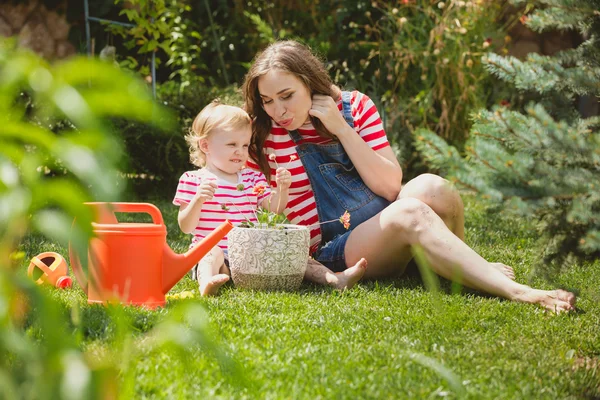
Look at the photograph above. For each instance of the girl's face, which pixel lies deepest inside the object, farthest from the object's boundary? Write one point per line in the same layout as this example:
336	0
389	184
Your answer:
227	149
285	99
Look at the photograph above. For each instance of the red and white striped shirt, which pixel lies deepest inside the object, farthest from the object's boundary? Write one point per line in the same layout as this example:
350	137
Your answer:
301	208
240	204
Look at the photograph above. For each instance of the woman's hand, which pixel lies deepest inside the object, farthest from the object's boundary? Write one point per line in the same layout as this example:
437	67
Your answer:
283	178
326	109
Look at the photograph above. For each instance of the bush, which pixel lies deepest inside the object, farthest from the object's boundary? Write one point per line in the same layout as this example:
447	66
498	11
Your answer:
419	60
430	73
542	159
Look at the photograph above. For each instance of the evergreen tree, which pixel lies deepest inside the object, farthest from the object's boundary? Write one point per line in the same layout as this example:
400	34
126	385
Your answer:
542	159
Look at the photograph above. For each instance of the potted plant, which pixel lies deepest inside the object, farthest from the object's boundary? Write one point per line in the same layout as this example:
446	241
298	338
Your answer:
269	254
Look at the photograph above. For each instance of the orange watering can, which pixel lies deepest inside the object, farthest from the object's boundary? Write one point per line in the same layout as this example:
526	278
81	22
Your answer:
51	268
132	262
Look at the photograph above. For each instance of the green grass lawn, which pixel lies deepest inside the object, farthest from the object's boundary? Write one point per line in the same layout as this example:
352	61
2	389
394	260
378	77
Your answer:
380	340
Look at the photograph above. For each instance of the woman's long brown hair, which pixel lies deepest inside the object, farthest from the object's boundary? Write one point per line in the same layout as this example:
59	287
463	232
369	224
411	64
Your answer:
295	58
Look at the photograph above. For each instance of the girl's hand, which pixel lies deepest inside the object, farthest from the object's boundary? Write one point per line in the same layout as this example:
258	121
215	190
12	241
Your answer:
326	109
206	190
283	178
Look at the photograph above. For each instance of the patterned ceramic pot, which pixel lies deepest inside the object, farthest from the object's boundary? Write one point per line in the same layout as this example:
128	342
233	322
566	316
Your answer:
268	259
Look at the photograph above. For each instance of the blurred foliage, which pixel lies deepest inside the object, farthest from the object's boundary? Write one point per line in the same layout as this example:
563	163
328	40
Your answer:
56	152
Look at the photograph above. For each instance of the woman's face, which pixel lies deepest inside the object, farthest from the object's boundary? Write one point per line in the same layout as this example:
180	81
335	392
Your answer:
285	99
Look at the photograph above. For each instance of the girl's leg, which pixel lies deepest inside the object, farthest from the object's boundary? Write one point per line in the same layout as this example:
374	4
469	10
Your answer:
445	201
209	277
318	273
409	222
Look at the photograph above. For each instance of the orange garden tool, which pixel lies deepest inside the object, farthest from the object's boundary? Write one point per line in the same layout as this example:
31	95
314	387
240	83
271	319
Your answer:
51	268
132	262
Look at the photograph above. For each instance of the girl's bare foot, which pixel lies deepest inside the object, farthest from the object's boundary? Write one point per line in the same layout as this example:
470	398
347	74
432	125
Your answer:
210	286
554	300
505	269
348	278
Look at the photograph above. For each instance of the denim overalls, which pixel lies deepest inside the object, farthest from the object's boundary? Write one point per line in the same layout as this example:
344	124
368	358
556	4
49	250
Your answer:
337	188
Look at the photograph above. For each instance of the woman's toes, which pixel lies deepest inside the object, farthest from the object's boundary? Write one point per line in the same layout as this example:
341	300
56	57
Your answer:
566	296
348	278
558	301
553	300
362	263
505	269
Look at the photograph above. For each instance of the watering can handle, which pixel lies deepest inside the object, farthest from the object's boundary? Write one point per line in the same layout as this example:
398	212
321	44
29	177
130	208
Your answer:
36	262
147	208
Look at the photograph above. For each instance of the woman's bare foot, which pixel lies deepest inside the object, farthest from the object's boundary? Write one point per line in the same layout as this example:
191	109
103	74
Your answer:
554	300
211	286
505	269
348	278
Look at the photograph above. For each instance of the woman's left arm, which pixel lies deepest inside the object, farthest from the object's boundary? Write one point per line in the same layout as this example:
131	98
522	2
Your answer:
379	169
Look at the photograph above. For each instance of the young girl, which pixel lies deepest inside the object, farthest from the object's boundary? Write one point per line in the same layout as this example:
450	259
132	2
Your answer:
223	189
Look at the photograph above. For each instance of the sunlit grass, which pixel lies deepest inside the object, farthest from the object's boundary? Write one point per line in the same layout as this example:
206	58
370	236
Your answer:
384	339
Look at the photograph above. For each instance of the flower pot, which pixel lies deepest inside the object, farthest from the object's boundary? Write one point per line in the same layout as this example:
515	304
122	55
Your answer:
268	259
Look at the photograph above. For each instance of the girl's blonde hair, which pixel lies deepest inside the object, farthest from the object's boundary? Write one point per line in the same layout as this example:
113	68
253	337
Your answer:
214	116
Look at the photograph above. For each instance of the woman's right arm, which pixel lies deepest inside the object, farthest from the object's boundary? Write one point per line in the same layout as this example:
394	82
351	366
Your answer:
189	213
379	169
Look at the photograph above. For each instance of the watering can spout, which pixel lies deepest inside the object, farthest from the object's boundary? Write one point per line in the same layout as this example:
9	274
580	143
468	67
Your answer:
175	266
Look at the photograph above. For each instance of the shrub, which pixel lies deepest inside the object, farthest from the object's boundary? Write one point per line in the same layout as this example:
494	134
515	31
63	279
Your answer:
543	159
419	60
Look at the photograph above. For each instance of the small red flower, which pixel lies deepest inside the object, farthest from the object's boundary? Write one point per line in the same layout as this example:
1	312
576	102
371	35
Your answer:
345	219
505	103
523	19
258	190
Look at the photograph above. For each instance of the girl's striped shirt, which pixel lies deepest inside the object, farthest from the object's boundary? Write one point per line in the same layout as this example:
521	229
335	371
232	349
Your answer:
227	203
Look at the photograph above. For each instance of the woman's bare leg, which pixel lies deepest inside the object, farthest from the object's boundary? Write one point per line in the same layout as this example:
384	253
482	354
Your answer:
410	222
443	198
320	274
209	277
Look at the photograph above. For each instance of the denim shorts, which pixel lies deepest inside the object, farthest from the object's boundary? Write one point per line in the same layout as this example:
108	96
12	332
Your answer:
332	254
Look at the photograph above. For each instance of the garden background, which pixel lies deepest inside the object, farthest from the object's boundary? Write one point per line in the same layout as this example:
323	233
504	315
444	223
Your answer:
520	133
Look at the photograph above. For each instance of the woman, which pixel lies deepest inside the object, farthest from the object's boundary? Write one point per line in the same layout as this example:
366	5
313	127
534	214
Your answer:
334	145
